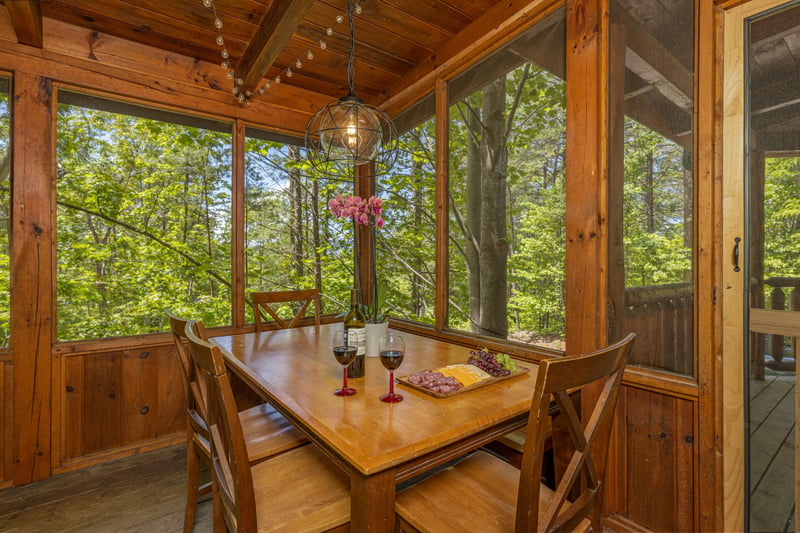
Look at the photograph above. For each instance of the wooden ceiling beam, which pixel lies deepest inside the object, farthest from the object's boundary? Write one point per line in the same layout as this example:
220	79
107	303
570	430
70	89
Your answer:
26	17
650	60
278	25
503	20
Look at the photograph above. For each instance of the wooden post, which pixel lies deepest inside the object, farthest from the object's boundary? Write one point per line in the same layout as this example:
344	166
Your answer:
32	214
586	175
442	204
364	186
238	260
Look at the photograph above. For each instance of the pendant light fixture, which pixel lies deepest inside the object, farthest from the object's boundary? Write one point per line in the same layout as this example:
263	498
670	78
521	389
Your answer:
348	133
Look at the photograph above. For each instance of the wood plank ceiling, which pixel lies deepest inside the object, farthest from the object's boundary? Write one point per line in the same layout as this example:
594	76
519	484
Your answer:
265	38
397	42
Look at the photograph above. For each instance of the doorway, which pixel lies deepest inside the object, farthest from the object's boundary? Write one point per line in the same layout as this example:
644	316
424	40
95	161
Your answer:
762	227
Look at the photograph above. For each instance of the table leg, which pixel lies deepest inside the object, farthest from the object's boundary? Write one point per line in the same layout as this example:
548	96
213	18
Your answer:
372	502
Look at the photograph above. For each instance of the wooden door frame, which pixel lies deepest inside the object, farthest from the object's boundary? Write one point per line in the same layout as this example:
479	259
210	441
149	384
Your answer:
734	334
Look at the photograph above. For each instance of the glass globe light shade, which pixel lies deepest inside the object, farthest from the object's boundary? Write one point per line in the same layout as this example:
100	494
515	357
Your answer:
349	132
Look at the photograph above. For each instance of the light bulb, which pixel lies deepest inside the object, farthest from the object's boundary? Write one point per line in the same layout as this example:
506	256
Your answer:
225	64
239	81
339	19
288	72
207	3
329	31
220	40
298	64
322	44
218	24
358	9
309	55
225	53
229	74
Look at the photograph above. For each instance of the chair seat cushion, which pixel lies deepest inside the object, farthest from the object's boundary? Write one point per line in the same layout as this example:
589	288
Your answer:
482	483
268	433
300	490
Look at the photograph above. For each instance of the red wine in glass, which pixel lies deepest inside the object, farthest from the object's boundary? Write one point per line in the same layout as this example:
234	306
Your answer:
345	347
392	351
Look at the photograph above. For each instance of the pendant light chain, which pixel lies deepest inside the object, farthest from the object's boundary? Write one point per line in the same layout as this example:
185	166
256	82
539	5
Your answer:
352	52
243	96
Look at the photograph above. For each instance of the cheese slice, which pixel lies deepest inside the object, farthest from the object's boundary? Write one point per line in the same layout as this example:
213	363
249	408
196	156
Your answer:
465	374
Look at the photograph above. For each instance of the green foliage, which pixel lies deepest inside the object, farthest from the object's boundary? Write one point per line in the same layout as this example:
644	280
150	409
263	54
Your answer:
143	224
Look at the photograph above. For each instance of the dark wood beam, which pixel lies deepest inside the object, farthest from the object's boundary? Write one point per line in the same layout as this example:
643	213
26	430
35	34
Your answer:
774	27
278	25
650	60
26	18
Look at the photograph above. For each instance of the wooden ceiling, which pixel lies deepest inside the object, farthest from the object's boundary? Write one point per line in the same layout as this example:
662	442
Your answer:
393	37
399	43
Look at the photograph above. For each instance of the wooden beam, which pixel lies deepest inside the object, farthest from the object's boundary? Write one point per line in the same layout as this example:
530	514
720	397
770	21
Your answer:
496	25
650	60
33	262
26	17
278	25
587	233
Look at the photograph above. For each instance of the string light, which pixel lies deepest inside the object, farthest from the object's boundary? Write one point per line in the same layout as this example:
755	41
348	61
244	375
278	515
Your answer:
243	97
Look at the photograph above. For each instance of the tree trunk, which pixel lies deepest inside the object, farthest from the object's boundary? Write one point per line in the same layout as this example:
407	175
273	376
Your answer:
648	195
296	195
473	213
493	241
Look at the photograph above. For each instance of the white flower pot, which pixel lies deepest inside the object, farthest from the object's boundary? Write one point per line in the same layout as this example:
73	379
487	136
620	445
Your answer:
374	334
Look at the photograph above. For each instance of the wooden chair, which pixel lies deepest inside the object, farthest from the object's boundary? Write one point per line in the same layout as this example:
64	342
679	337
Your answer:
299	490
265	302
267	432
484	493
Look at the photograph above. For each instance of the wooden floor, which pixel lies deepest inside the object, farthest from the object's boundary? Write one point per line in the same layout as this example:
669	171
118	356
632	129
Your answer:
144	493
772	453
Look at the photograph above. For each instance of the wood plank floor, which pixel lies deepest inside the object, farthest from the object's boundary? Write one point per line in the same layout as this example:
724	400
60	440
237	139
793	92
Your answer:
772	453
144	493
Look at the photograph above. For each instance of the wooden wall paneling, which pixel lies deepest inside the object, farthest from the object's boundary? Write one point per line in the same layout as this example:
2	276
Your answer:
5	420
659	435
31	267
72	416
57	409
103	402
171	415
138	395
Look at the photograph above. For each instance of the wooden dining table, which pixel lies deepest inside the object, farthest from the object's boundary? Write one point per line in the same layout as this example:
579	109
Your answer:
380	445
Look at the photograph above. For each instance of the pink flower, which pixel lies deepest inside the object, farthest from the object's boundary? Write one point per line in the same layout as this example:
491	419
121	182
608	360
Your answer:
336	205
374	205
362	210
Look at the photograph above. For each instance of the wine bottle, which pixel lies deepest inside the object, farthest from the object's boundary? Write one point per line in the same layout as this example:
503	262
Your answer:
354	322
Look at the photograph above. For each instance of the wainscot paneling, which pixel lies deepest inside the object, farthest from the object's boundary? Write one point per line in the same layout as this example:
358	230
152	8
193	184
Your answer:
118	398
650	465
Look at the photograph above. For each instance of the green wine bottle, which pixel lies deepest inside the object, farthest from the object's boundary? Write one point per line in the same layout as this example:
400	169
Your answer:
354	324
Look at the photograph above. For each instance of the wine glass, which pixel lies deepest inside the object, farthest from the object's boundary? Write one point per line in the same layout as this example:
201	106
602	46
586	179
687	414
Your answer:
345	346
391	350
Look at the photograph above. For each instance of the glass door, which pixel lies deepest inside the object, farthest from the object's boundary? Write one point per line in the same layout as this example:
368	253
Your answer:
770	259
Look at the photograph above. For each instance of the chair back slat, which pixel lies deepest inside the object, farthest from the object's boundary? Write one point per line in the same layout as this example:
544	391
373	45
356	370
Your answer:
229	460
194	386
264	307
558	383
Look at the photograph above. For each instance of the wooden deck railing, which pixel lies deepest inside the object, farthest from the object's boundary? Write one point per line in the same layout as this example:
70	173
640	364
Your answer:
661	315
777	289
